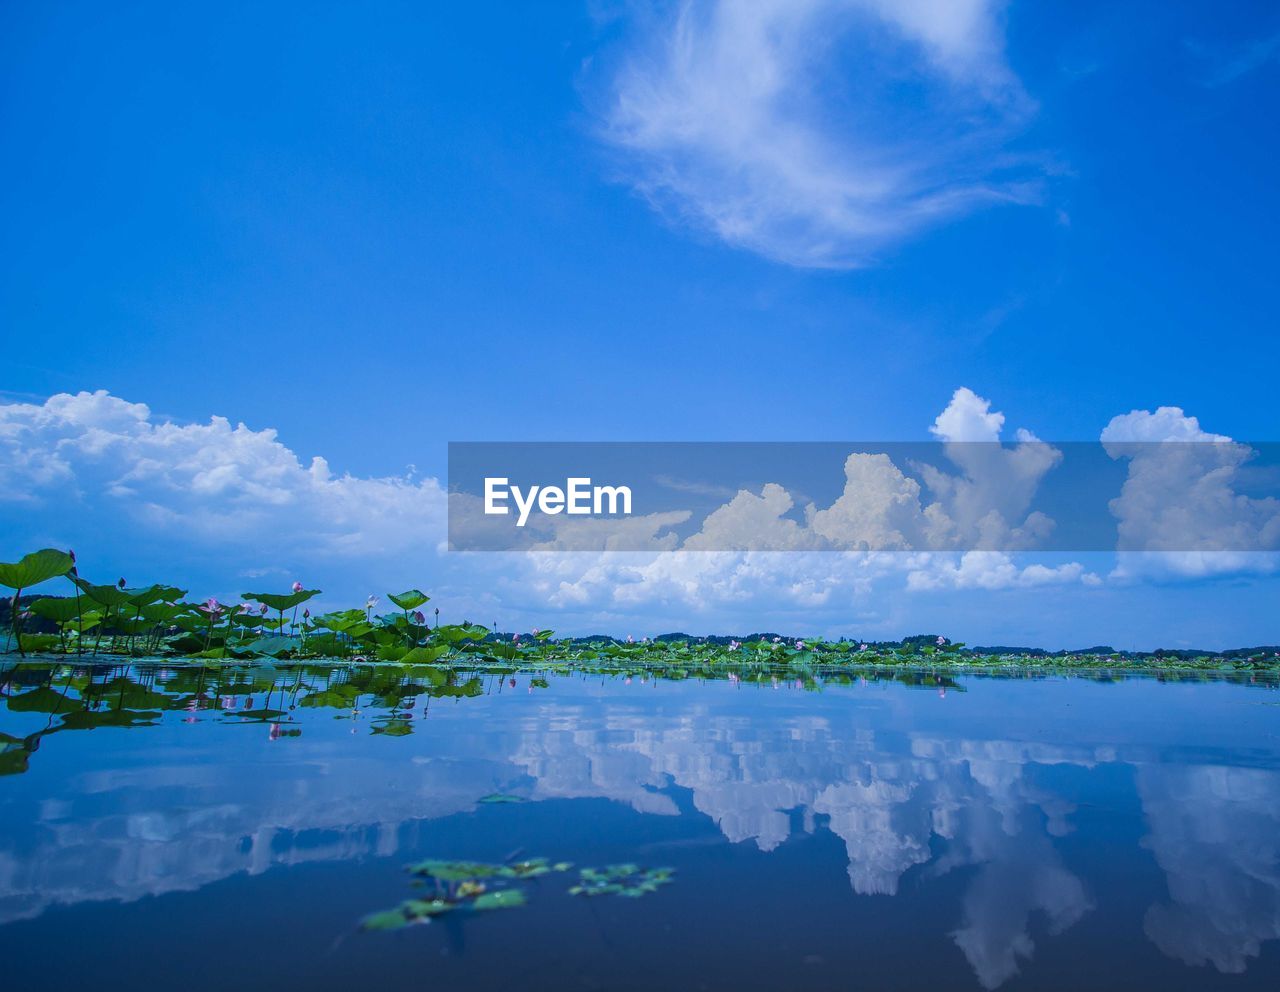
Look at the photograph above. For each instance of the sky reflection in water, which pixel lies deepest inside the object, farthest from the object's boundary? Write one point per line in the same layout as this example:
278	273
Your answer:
1005	833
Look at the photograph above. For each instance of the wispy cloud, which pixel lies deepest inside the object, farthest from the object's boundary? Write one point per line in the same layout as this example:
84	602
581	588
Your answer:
818	132
1228	66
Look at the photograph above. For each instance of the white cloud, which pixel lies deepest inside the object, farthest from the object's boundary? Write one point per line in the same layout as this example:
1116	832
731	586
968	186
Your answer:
214	503
817	132
990	570
1213	831
751	522
968	417
1181	506
97	456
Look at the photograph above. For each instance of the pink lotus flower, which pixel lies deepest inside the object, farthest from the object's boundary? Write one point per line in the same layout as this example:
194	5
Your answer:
373	601
862	647
630	639
800	645
211	606
418	618
777	640
515	638
263	609
297	587
734	645
941	640
536	631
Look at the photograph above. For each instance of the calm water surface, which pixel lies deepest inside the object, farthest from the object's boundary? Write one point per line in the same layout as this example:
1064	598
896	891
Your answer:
214	831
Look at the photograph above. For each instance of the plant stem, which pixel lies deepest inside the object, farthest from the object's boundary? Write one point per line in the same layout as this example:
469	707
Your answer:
79	612
16	622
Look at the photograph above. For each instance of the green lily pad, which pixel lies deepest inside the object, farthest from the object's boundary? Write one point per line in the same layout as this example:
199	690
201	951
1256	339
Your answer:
428	907
456	871
501	899
627	880
388	919
535	868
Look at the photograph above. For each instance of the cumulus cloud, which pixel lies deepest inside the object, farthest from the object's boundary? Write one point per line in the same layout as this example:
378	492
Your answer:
1181	505
93	455
215	502
1213	831
818	132
991	570
984	503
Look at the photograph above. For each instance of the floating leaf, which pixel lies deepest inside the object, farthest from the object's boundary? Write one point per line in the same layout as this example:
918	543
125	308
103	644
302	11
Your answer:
626	880
536	867
388	919
456	871
502	899
428	907
500	797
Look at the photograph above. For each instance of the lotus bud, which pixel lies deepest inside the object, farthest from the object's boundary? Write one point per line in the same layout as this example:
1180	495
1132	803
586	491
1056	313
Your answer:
120	583
263	609
418	618
297	587
306	614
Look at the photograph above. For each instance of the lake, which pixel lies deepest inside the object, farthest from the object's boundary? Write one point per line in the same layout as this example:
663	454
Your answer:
231	828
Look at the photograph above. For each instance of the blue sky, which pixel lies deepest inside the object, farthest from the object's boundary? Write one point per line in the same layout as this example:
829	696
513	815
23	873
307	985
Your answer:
377	228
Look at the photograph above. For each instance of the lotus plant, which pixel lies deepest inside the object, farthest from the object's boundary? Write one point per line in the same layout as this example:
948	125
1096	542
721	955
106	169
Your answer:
31	570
